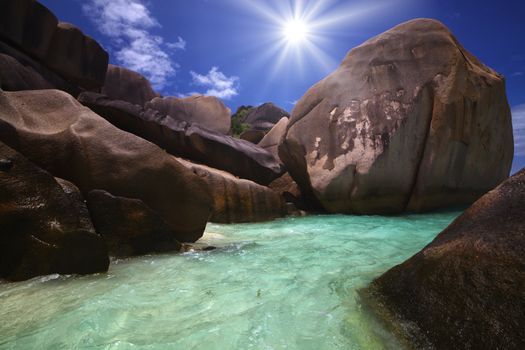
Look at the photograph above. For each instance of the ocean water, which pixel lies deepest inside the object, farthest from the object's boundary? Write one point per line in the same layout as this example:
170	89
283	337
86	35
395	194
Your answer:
286	284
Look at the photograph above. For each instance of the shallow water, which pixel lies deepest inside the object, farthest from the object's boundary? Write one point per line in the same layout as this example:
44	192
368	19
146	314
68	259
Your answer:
286	284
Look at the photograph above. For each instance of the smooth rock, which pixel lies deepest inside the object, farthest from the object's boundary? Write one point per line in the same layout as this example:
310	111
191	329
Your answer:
238	157
237	200
271	140
253	136
70	141
409	121
128	226
265	116
466	289
127	85
42	229
206	111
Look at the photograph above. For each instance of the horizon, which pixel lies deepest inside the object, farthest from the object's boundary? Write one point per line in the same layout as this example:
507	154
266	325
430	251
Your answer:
244	54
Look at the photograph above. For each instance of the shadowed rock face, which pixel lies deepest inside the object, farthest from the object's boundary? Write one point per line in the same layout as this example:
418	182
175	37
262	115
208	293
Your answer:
238	200
265	116
409	121
70	141
30	27
127	85
189	141
45	226
466	289
128	226
253	136
206	111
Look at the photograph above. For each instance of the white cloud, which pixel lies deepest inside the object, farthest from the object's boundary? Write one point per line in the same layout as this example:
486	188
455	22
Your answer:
218	84
128	24
518	124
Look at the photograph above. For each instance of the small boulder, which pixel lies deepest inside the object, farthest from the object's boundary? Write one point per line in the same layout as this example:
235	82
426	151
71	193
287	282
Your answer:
253	136
127	85
265	116
44	229
128	226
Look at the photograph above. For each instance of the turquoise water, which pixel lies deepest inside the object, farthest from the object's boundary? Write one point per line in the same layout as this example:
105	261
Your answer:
286	284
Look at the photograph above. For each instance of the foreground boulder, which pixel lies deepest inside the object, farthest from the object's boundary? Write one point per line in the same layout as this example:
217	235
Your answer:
44	229
206	111
237	200
409	121
30	27
70	141
189	141
127	85
466	289
265	116
128	226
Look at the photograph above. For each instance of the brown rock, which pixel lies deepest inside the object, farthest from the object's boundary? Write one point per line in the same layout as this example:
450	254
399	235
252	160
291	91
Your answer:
238	200
189	141
77	57
44	229
409	121
265	116
127	85
271	140
206	111
466	289
128	226
253	136
52	129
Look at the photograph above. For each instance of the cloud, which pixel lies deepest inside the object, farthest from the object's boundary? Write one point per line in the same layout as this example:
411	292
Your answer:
516	74
128	23
217	84
518	124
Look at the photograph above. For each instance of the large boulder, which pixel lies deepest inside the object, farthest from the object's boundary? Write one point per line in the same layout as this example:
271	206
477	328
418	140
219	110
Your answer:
466	289
70	141
271	140
265	116
253	136
409	121
127	85
189	141
128	226
77	57
237	200
206	111
44	229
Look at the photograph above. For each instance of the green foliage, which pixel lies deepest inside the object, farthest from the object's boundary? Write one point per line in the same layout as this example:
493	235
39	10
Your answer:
238	127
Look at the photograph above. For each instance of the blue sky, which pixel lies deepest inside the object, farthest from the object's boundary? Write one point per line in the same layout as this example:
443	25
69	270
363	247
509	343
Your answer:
237	50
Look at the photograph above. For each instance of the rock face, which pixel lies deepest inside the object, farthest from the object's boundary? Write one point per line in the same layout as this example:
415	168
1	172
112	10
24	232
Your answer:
207	111
30	27
44	229
409	121
128	226
237	200
265	116
466	289
189	141
271	140
70	141
253	136
127	85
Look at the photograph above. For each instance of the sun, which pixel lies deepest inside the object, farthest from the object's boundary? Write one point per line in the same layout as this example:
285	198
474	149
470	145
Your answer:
295	31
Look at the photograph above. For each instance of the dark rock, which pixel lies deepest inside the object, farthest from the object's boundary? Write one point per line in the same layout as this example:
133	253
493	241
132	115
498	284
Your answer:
265	116
70	141
253	136
189	141
129	226
206	111
77	57
409	121
238	200
127	85
466	289
42	230
290	192
6	164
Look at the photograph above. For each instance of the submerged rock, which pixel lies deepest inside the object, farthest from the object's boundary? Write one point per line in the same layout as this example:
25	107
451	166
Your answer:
238	200
70	141
206	111
128	226
44	228
189	141
466	289
409	121
127	85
